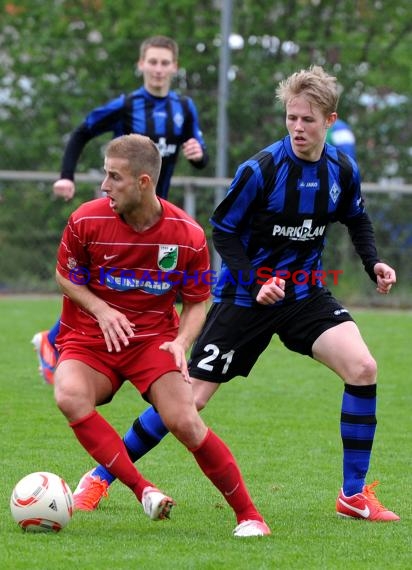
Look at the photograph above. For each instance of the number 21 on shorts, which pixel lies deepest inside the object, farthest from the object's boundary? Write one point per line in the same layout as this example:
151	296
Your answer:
208	362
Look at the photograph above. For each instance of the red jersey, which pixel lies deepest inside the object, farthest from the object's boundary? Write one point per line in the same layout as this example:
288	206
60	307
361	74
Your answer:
137	273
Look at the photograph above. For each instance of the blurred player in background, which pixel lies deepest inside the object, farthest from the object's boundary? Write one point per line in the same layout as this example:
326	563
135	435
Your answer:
119	323
169	119
270	232
341	136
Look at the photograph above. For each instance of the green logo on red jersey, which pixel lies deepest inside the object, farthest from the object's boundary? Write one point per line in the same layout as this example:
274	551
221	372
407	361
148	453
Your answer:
167	257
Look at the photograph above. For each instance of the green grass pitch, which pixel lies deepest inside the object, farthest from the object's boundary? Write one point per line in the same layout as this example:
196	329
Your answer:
282	423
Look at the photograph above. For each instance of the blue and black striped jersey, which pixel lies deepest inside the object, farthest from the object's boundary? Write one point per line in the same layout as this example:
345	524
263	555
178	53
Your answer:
169	121
274	220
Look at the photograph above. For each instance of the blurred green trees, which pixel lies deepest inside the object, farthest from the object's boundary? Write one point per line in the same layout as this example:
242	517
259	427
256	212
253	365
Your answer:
60	58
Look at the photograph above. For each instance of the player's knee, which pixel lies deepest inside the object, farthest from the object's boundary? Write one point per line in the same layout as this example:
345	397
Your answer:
180	427
65	403
71	405
187	428
200	401
202	392
366	370
60	396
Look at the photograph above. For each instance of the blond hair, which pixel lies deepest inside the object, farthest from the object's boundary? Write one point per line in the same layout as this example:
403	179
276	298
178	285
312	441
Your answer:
141	153
319	87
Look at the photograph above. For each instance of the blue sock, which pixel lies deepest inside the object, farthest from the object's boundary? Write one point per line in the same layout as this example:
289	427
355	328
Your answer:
358	425
53	332
147	431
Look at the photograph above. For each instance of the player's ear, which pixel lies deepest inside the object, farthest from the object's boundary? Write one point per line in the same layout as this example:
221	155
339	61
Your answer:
138	69
145	180
331	119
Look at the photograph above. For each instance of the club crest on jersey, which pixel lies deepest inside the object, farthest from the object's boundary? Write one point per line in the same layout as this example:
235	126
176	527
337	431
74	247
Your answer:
334	192
167	257
71	263
178	119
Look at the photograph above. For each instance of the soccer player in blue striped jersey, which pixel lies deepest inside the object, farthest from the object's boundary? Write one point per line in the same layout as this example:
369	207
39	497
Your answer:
270	231
153	110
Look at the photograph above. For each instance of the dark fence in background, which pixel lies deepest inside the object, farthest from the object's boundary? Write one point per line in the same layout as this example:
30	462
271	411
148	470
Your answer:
32	220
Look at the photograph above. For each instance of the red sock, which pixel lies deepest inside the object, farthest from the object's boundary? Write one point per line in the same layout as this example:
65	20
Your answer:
104	444
218	464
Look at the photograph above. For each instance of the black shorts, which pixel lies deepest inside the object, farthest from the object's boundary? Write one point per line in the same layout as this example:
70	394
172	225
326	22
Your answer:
234	337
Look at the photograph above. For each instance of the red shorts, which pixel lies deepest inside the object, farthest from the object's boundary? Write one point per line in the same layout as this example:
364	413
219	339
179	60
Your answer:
142	362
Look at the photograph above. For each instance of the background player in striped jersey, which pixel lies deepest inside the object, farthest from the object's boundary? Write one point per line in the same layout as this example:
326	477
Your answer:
276	215
154	110
341	135
119	323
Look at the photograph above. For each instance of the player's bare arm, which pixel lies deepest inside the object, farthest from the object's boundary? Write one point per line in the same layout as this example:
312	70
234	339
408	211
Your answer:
192	318
115	326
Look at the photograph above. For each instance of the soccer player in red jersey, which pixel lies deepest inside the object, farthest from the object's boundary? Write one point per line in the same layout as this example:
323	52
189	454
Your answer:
122	261
155	110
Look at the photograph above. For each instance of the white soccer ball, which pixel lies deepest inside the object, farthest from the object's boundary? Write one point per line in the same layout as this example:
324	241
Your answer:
42	502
